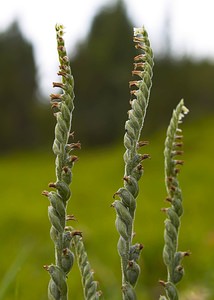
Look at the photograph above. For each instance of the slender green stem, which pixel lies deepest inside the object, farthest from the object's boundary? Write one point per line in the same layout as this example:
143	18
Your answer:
63	107
90	287
172	258
125	207
61	234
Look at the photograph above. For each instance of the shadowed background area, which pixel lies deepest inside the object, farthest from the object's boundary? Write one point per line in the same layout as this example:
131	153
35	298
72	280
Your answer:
102	65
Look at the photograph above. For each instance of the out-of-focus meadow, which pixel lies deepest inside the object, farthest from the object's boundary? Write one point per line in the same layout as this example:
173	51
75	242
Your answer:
102	69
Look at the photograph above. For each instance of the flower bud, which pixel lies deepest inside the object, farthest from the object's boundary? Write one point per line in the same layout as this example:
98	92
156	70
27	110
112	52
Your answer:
67	260
128	292
178	274
58	278
135	251
54	219
57	203
133	271
67	236
121	228
132	185
126	197
122	247
122	212
63	190
53	291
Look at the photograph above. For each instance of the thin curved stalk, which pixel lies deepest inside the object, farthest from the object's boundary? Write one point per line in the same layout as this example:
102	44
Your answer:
171	256
63	107
125	207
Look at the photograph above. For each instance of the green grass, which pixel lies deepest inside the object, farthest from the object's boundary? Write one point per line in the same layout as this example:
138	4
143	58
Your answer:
97	175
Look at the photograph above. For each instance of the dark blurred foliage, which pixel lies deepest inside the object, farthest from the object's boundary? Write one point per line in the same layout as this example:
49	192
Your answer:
23	118
177	79
102	67
101	70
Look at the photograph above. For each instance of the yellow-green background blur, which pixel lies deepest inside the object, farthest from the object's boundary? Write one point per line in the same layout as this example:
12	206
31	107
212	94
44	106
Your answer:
102	69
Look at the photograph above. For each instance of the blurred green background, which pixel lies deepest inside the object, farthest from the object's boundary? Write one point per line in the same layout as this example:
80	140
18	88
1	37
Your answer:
102	66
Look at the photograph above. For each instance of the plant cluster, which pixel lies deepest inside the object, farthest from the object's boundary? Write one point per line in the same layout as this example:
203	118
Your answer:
68	242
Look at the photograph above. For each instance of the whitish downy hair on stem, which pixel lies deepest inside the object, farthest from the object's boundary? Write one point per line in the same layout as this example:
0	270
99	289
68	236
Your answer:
62	235
171	256
125	205
63	106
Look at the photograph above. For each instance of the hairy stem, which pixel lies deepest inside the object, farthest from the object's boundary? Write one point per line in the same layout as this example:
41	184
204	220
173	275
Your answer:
172	258
90	287
63	107
125	207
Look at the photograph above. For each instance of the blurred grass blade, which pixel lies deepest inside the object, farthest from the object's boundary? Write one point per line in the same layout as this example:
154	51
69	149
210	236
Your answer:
10	275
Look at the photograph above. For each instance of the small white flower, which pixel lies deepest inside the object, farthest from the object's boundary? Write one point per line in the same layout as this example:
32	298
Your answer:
138	31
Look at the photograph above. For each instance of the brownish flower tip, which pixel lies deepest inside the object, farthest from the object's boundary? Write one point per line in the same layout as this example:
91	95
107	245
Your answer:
139	57
115	194
99	293
61	73
65	59
45	193
137	39
68	228
61	48
55	96
173	188
179	162
65	251
164	209
163	283
126	178
130	263
145	156
177	170
73	158
55	105
179	152
52	184
179	137
169	178
187	253
60	39
137	72
178	144
75	145
139	65
46	267
58	84
141	246
139	46
139	167
70	218
62	68
133	92
168	199
76	232
112	205
180	268
65	169
142	143
133	83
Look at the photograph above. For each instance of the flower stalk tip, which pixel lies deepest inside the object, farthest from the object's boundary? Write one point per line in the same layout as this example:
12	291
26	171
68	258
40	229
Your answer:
63	103
126	205
171	256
